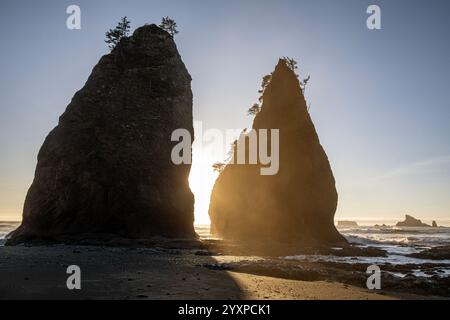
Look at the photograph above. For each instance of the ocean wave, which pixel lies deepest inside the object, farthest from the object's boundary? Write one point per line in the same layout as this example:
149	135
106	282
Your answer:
374	239
5	228
359	240
398	243
426	238
394	259
396	230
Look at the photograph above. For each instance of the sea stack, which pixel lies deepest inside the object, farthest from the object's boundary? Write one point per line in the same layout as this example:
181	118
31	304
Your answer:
410	221
106	168
297	204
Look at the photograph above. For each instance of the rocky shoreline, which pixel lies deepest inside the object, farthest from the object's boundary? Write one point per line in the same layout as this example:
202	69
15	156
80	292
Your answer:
222	257
395	277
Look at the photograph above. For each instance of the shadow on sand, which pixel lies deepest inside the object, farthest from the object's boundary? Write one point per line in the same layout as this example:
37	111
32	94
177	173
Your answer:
163	269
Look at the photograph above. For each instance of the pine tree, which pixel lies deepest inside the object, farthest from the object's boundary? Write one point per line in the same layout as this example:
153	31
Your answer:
254	110
122	30
169	25
291	63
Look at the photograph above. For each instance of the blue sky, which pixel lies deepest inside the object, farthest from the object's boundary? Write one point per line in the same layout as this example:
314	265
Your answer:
379	98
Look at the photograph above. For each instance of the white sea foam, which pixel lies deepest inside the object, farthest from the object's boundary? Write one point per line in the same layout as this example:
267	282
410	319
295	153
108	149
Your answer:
422	237
391	259
397	241
5	228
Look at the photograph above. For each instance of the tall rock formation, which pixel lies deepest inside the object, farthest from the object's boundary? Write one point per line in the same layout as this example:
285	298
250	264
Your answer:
298	203
106	168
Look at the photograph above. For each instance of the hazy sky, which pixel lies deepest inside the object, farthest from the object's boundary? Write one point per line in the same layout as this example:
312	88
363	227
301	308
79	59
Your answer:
379	98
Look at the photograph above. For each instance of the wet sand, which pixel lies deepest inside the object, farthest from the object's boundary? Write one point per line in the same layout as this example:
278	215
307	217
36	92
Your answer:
165	271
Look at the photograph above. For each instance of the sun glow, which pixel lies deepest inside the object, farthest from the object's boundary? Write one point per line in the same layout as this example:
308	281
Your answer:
201	181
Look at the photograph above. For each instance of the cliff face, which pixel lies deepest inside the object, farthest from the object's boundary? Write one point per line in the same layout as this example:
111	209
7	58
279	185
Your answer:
106	167
298	203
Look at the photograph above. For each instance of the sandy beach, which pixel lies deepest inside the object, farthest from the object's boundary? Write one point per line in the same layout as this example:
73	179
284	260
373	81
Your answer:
172	270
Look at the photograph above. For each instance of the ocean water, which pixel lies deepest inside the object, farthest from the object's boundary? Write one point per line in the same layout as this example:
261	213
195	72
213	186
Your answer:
399	239
398	242
5	228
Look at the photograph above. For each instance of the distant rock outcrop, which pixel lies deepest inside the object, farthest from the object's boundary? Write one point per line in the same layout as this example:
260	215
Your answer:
434	224
347	223
411	222
106	168
298	203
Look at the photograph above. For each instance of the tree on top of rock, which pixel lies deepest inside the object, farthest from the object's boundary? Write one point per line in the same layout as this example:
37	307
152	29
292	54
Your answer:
122	30
169	25
304	82
254	110
293	65
265	82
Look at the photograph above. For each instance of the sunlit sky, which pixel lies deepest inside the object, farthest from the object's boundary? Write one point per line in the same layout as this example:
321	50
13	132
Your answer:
379	98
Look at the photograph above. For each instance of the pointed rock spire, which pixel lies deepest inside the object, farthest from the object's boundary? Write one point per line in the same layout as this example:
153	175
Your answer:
299	202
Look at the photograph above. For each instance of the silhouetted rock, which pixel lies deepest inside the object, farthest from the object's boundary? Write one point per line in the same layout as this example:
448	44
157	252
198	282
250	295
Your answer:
434	224
298	203
106	168
346	223
436	253
411	222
